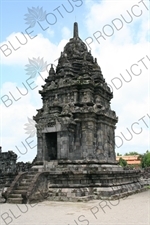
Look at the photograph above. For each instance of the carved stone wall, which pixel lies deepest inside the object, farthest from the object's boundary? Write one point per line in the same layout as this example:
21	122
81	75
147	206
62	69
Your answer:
8	162
9	168
76	106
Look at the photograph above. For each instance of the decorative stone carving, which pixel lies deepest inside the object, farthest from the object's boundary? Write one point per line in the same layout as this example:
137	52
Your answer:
66	109
77	94
72	106
60	84
46	107
52	86
56	100
85	108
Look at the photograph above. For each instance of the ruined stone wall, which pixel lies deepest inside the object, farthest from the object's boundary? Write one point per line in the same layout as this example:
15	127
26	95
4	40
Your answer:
146	173
9	168
8	162
23	167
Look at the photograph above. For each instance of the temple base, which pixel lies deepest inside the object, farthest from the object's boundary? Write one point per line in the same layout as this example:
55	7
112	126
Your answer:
78	181
73	181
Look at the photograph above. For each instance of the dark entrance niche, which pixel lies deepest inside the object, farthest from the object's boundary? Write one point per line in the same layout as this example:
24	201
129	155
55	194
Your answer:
51	143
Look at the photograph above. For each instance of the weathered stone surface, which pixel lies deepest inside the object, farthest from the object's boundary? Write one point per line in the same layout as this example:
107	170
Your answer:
76	121
9	168
8	162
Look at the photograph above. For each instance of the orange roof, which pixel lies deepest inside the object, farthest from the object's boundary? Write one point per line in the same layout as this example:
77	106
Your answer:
128	157
134	162
131	159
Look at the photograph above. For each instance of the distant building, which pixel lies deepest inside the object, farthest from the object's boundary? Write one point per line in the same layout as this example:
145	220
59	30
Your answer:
131	159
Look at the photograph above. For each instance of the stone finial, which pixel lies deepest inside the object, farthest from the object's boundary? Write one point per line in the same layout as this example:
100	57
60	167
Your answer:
75	30
51	71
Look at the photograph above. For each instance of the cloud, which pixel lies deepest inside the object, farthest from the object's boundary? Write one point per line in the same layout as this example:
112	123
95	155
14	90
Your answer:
36	47
126	23
103	12
66	33
50	32
19	101
14	118
116	56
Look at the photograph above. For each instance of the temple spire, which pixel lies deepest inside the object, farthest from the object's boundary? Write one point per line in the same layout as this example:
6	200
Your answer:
75	30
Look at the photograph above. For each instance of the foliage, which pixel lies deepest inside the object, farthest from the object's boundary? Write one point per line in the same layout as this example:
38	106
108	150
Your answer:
145	159
132	153
122	162
118	154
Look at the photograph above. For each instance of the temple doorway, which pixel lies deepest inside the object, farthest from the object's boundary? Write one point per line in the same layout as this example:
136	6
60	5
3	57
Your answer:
51	143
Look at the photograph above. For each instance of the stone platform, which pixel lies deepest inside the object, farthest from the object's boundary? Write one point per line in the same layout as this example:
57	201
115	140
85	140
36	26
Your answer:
82	180
77	180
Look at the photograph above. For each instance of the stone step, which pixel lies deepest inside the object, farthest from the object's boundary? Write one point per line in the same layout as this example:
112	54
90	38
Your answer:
30	176
31	172
27	179
13	195
14	200
34	169
22	188
25	183
16	196
19	191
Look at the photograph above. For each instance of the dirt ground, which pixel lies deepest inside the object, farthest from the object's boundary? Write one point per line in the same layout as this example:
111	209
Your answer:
134	210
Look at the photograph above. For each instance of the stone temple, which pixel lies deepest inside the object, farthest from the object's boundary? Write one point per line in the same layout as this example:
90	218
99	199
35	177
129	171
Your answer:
76	136
76	121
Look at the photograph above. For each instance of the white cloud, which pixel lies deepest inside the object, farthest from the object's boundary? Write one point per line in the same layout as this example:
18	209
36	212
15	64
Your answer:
37	47
50	32
14	118
16	110
66	34
117	54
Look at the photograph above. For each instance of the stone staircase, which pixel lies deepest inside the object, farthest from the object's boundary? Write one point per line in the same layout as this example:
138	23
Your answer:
27	187
16	194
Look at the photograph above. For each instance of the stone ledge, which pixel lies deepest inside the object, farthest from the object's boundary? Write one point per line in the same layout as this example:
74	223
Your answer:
88	161
86	194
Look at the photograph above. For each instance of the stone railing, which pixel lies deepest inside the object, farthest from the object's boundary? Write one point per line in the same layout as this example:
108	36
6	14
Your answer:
38	188
14	184
5	182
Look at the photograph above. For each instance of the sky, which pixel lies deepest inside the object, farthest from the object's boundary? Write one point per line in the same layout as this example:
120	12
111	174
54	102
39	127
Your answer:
34	32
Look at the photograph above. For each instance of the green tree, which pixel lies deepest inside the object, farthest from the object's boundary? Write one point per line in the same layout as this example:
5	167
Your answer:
122	162
118	154
145	159
132	153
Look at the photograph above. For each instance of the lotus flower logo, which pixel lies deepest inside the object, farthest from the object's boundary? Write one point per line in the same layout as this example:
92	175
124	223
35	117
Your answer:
35	66
35	15
30	128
